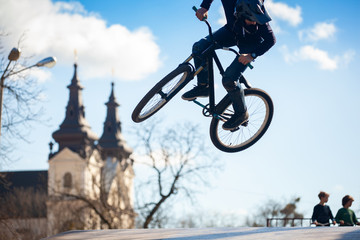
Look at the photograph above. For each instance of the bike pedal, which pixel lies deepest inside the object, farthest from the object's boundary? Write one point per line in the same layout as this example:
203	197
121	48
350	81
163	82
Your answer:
245	124
235	129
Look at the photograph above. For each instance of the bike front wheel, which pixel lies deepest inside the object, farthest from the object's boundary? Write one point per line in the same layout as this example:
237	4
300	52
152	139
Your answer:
261	110
162	93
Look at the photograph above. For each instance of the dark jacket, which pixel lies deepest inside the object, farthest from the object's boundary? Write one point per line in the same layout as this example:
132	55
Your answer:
322	214
256	39
229	7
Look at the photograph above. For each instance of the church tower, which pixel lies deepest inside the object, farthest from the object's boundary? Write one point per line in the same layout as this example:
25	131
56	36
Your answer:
117	173
75	132
75	169
112	142
86	169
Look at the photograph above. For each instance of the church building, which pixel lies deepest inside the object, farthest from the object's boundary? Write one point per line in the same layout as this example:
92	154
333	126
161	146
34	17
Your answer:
90	179
88	175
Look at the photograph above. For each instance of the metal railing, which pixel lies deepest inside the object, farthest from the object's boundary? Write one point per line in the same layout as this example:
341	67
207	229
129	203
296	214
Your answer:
288	222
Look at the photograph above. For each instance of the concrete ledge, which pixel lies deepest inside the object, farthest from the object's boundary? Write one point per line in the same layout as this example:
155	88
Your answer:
248	233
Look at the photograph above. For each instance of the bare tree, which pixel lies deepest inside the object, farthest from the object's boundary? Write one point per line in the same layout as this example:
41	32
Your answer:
179	164
275	209
20	109
104	208
110	215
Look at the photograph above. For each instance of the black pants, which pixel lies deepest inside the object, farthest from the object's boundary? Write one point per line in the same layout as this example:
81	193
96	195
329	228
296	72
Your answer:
225	38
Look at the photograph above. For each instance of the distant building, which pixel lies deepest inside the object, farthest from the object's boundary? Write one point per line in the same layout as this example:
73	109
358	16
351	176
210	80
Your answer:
86	174
23	196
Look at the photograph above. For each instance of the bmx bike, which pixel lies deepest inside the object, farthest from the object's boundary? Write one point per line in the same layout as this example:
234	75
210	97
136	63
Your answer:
258	102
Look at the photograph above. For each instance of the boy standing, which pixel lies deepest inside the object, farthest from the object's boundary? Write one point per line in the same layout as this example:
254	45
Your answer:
345	216
322	213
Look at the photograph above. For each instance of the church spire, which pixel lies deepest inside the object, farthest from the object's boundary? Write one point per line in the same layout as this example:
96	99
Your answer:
75	132
111	142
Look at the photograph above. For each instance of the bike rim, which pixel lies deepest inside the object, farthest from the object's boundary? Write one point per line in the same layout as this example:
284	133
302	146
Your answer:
259	111
161	97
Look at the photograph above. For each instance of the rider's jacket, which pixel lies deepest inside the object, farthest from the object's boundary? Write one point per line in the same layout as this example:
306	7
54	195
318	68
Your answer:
256	39
229	6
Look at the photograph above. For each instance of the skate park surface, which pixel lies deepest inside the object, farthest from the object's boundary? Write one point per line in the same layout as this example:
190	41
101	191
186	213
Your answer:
248	233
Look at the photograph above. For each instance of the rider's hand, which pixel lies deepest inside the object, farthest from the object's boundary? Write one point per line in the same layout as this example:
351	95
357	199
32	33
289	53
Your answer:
245	59
201	13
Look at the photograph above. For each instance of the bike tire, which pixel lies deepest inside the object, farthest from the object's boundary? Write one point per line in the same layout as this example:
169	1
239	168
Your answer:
162	93
261	110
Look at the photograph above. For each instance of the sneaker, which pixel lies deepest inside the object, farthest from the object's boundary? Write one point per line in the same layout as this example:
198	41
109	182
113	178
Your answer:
197	91
235	121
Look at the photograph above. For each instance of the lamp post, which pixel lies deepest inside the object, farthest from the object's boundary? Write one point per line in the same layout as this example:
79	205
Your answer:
14	55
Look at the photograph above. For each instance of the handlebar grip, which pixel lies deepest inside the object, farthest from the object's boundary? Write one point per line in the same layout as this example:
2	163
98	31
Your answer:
237	54
195	9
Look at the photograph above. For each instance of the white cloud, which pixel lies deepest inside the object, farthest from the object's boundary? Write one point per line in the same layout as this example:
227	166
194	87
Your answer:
40	75
347	57
320	57
320	31
283	12
59	28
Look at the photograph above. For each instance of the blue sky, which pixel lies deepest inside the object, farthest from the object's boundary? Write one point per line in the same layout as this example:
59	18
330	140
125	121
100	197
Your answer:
312	74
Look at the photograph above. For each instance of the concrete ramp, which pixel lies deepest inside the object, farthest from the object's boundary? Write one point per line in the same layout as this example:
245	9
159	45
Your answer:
248	233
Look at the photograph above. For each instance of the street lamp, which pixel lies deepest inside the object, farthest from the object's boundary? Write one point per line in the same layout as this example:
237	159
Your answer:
14	55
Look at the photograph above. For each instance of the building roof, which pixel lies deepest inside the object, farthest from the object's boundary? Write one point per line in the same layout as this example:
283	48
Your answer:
23	179
23	194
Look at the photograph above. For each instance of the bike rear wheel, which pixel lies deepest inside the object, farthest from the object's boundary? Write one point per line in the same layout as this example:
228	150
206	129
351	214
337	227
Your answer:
261	110
162	93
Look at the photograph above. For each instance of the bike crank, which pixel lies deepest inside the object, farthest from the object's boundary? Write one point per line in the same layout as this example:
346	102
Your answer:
206	110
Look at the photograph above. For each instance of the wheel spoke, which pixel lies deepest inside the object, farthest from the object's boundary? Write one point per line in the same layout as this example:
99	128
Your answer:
259	119
161	93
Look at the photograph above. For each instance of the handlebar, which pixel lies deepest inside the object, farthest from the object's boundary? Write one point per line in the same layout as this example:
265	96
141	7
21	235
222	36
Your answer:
195	9
211	37
207	23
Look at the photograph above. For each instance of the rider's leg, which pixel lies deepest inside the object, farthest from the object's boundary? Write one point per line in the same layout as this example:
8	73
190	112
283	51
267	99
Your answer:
202	88
236	94
224	37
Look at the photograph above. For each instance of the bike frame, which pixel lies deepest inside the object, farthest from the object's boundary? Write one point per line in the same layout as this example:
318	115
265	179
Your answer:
211	56
227	141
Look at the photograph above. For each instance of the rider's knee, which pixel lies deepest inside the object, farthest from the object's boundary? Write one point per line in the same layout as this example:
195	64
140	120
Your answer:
229	84
196	48
199	46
